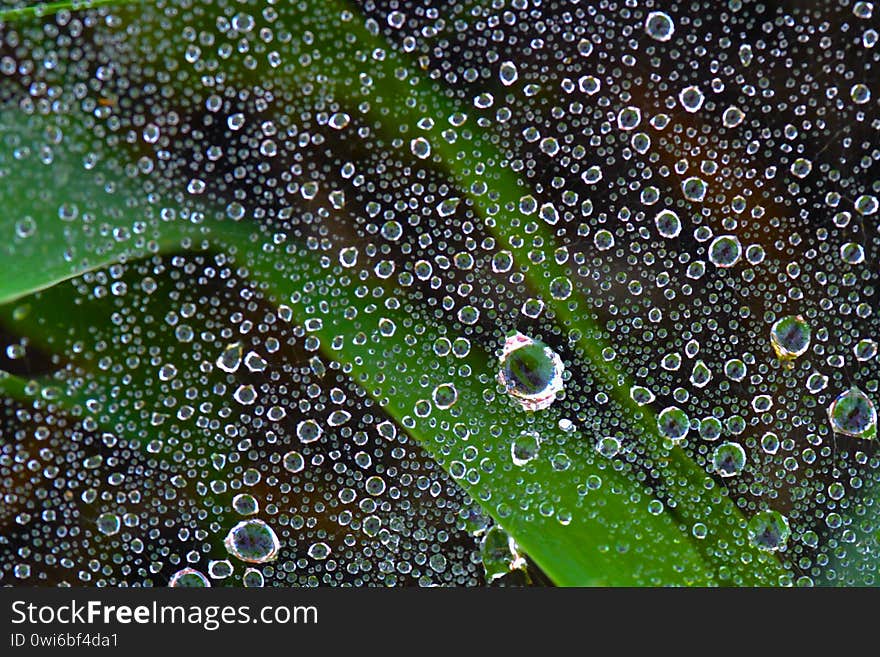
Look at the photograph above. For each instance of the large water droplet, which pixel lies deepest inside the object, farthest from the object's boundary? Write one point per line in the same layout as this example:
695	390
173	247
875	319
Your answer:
769	530
729	459
790	337
252	541
189	578
530	371
525	447
854	414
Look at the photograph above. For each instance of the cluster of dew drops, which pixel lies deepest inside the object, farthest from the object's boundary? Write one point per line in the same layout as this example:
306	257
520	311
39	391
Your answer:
705	175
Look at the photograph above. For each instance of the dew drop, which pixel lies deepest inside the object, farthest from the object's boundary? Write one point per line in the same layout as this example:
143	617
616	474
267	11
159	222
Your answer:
668	224
252	541
308	431
790	337
729	459
769	530
725	251
507	73
659	26
530	372
673	423
189	578
853	414
525	447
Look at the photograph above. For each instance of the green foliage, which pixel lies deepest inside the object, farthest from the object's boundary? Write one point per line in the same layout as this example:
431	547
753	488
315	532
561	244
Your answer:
587	521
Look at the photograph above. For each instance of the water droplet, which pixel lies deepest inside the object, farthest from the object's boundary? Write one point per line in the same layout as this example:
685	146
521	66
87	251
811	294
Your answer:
245	504
319	551
860	94
769	530
507	73
854	414
732	117
609	446
641	395
339	120
561	288
694	189
230	359
659	26
421	148
735	369
445	395
865	350
863	9
725	251
790	337
525	447
308	431
252	541
254	362
729	459
673	423
219	569
530	372
189	578
691	98
294	462
852	253
701	374
866	205
668	224
710	429
629	118
245	394
604	240
499	553
109	524
252	579
801	167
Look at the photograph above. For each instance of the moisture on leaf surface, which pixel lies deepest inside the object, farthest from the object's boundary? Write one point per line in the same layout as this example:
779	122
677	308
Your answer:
387	293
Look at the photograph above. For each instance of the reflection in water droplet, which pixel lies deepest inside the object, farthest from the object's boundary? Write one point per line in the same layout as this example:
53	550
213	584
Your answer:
790	337
252	541
769	530
659	26
525	447
854	414
219	569
499	553
245	504
189	578
507	73
668	224
530	372
729	459
252	578
293	462
641	395
308	431
230	359
732	117
109	524
319	551
725	251
691	98
694	189
609	446
710	428
673	423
